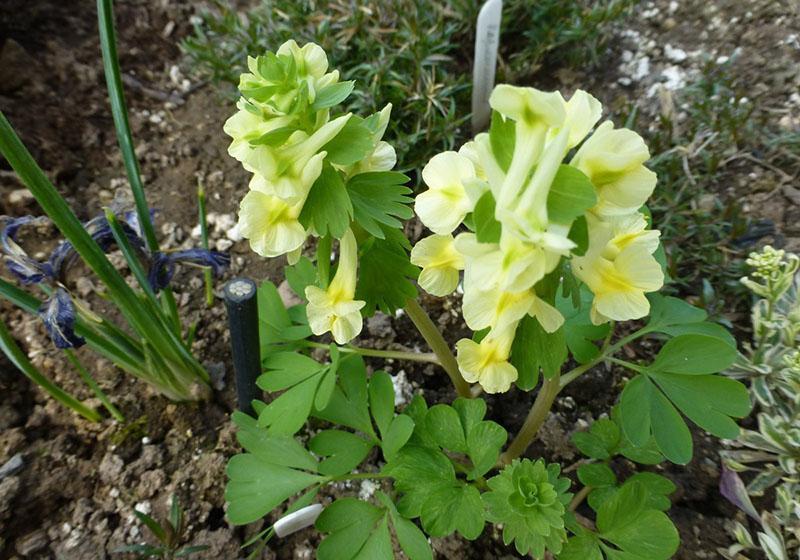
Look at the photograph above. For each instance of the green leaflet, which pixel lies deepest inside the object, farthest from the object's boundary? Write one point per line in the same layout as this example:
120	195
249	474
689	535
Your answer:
278	328
327	209
534	349
301	275
299	377
605	439
380	199
571	194
502	138
680	378
385	273
359	530
626	529
579	332
487	228
353	143
332	94
426	476
674	317
348	403
273	469
343	451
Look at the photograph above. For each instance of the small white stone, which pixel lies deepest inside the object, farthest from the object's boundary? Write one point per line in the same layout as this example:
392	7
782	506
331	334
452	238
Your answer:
145	440
723	59
402	388
674	54
143	507
113	492
367	489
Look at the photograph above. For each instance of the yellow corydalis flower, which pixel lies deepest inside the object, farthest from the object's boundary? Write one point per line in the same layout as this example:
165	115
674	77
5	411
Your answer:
613	160
334	310
440	263
487	362
270	223
450	178
619	268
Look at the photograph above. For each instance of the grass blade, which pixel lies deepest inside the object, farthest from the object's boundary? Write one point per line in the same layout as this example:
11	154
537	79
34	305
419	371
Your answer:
98	392
201	210
21	361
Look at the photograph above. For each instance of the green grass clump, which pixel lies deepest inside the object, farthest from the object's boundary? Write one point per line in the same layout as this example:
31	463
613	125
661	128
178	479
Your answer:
416	54
697	160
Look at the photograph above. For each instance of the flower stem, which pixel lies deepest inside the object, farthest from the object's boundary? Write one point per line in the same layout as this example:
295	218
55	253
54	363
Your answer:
536	417
579	497
386	354
357	476
436	341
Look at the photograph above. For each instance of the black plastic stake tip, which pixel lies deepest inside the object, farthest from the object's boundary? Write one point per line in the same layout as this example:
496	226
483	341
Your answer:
242	304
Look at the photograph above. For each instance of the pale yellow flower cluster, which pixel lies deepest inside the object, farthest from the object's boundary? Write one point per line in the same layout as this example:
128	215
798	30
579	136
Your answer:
279	134
284	147
500	277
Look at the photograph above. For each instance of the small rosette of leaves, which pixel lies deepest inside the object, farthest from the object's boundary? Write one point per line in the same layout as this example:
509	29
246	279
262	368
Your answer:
529	499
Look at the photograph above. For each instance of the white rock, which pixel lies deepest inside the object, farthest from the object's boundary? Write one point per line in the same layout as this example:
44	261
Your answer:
367	489
143	507
403	390
674	54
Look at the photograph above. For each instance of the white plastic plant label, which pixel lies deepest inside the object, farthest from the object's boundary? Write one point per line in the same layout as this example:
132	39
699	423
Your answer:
297	520
487	40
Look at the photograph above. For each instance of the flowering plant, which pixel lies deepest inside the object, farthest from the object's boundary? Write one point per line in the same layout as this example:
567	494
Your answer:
545	215
772	365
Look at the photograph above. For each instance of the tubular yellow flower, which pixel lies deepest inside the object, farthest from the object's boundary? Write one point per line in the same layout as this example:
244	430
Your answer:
440	264
334	310
583	111
487	363
244	127
548	316
445	204
619	269
270	224
534	112
613	160
292	168
495	308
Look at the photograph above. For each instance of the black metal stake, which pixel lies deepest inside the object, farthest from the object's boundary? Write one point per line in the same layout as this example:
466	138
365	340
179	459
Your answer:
242	305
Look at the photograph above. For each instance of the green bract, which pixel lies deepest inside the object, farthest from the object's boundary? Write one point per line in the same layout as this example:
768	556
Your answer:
530	499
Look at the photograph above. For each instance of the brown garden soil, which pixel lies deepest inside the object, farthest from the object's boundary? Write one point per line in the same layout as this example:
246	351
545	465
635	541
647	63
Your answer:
74	496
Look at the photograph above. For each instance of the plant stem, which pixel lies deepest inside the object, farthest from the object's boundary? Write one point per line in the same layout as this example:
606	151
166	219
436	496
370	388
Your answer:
386	354
536	417
579	497
436	341
357	476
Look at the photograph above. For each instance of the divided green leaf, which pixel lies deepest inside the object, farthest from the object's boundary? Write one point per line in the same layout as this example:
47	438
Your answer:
273	469
536	350
380	199
327	209
681	376
386	274
353	143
